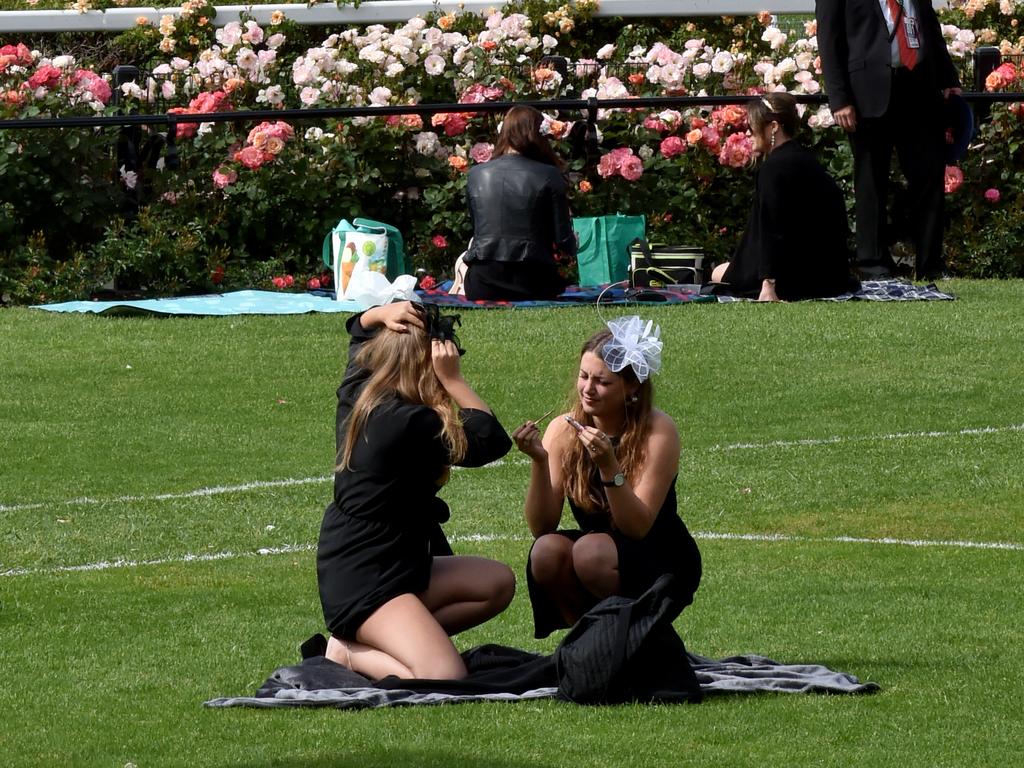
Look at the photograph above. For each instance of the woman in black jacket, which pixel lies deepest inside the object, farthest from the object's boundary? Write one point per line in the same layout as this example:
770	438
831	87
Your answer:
795	245
520	213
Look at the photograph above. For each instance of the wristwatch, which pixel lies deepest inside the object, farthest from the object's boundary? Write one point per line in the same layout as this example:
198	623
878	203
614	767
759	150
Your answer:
615	482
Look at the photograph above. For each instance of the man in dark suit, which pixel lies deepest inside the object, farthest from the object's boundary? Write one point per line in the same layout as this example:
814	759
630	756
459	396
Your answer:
888	74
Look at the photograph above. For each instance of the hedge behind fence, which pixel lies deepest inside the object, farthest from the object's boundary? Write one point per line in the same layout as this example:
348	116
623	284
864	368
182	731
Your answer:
249	203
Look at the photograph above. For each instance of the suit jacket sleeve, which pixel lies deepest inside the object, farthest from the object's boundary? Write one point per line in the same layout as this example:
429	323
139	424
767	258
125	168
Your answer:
834	51
946	75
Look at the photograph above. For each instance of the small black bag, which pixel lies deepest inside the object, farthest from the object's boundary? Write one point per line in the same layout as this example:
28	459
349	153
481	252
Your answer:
627	650
659	266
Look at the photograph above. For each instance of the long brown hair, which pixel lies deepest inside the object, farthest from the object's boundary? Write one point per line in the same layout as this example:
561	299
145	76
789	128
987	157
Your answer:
520	131
400	365
582	482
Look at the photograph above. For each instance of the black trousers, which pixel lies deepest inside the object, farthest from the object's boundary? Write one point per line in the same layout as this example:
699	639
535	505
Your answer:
913	126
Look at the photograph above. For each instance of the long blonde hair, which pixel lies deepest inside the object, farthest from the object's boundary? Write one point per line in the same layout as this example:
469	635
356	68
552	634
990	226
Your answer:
400	364
582	483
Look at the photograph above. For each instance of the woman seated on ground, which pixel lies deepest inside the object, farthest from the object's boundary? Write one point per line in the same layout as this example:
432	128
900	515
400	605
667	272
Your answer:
795	245
391	590
520	213
615	457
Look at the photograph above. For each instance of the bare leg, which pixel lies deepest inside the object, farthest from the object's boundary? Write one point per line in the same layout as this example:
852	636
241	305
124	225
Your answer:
408	635
551	563
365	660
403	638
466	591
596	561
719	272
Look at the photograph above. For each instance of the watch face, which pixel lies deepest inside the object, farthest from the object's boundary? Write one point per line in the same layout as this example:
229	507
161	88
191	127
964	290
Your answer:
619	479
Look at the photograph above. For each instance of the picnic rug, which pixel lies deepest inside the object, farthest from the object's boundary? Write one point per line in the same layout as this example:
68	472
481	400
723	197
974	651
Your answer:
318	682
253	302
879	290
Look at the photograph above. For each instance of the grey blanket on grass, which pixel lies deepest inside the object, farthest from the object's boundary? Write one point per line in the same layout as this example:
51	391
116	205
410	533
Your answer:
735	674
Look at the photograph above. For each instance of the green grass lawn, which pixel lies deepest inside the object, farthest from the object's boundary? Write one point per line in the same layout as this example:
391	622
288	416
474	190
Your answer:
813	430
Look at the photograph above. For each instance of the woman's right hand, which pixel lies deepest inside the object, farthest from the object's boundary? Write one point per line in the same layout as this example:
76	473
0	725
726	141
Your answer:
396	317
528	440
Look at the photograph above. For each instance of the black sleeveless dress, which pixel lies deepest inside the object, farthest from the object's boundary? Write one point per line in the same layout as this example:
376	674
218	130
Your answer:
382	530
668	547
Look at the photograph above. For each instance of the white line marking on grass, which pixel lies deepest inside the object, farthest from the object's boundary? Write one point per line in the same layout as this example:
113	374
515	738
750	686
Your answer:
106	565
197	493
783	537
258	484
216	490
864	438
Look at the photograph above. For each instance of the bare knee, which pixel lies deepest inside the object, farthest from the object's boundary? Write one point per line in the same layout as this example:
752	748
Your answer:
718	273
550	558
596	562
503	588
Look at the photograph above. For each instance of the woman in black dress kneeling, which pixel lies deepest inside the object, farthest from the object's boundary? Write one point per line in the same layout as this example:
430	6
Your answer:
391	590
615	458
795	245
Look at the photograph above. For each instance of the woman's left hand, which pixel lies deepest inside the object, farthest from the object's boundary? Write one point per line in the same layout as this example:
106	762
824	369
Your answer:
598	446
444	356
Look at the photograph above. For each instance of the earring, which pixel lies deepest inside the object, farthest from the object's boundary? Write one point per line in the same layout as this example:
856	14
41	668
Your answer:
634	398
771	144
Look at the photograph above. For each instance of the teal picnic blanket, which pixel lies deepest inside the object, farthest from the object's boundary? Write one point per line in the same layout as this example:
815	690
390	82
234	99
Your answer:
283	303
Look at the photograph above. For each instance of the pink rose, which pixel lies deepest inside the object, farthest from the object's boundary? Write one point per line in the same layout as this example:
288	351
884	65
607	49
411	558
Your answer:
94	84
711	139
954	178
224	176
607	166
654	124
313	283
289	280
184	130
992	195
632	168
481	152
456	124
251	157
672	146
736	151
428	283
439	241
46	77
278	282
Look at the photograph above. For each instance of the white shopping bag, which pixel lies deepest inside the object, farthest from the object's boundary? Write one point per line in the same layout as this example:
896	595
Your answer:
357	251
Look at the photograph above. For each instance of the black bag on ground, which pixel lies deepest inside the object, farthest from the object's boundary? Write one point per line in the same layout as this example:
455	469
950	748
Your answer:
625	650
658	266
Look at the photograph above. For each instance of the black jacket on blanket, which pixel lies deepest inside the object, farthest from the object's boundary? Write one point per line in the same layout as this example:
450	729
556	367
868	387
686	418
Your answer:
622	649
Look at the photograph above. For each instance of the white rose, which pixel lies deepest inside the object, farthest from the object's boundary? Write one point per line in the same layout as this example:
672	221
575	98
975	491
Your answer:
605	52
433	64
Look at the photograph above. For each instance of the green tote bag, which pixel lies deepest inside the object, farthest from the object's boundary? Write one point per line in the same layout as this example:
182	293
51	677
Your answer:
603	254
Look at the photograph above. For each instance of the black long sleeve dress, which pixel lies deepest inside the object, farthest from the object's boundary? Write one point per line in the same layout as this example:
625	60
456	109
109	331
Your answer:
796	233
668	547
382	529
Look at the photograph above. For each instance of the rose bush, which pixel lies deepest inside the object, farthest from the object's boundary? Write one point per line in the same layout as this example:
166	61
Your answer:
238	204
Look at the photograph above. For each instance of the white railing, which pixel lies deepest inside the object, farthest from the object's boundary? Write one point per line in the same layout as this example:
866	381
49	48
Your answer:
376	11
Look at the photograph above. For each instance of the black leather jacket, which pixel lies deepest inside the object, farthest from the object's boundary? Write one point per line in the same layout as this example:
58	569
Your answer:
519	211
